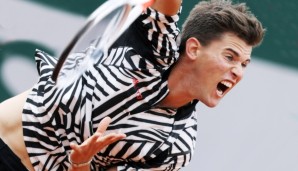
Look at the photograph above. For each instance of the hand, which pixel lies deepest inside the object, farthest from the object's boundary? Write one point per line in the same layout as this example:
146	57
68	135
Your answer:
167	7
91	146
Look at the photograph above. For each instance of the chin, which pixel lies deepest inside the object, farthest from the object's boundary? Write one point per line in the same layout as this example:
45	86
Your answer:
211	104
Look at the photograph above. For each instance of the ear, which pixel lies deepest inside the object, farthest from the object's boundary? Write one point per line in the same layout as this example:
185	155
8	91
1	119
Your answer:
192	48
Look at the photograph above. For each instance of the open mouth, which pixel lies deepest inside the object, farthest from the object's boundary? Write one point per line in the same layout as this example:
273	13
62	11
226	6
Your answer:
223	86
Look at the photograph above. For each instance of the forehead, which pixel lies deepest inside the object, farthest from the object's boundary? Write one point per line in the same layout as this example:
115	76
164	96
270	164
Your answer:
231	42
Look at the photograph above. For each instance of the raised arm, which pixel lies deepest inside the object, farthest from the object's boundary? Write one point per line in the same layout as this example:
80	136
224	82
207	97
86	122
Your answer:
167	7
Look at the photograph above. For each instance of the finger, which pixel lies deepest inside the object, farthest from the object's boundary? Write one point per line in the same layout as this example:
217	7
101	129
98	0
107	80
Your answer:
109	139
103	125
75	149
116	138
74	146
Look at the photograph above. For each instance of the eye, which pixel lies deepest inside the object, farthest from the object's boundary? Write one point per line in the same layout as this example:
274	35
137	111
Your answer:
245	64
229	58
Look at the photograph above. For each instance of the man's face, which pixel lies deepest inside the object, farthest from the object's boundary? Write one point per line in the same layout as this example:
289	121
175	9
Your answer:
219	67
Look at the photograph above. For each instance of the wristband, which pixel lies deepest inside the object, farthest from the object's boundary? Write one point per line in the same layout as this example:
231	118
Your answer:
78	164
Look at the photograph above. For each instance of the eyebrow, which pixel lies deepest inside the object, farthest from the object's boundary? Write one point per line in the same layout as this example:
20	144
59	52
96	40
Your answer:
236	54
233	51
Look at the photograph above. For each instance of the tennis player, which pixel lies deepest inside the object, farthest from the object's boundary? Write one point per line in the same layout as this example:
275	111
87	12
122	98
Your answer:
146	86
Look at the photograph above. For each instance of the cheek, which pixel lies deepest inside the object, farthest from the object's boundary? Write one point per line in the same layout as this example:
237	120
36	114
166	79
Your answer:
212	70
218	69
217	64
217	73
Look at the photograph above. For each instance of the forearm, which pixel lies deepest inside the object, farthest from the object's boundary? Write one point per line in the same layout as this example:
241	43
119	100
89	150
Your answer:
167	7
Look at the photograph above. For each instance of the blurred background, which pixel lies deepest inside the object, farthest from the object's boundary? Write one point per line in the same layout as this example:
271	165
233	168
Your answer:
254	128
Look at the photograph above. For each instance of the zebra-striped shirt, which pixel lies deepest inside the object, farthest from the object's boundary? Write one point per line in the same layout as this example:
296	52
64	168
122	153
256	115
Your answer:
126	86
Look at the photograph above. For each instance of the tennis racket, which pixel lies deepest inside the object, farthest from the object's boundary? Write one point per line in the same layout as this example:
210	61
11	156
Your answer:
102	28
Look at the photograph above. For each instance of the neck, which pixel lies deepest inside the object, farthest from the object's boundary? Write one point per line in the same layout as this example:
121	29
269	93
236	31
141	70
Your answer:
174	102
178	84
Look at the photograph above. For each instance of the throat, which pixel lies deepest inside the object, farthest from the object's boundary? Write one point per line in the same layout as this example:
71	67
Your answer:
174	102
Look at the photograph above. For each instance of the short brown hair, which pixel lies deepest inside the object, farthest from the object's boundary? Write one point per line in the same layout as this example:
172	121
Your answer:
208	20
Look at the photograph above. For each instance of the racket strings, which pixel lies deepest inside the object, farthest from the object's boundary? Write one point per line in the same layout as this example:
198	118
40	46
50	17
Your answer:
91	44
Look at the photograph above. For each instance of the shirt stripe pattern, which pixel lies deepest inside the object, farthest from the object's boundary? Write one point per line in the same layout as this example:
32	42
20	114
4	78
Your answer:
126	86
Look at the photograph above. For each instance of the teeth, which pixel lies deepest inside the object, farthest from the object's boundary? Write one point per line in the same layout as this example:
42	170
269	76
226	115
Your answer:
226	83
220	92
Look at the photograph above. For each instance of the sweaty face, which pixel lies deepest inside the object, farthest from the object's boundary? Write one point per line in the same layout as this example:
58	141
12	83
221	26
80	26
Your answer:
219	67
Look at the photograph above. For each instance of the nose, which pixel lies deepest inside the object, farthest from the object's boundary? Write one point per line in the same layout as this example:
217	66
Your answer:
237	71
